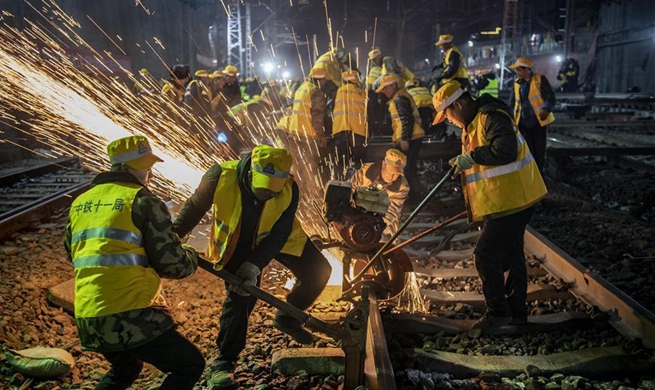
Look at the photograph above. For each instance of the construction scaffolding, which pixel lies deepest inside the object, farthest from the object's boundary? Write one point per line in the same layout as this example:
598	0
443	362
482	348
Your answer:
510	36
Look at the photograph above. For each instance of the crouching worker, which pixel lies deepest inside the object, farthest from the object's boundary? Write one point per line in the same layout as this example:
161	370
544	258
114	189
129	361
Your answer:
386	175
254	203
120	239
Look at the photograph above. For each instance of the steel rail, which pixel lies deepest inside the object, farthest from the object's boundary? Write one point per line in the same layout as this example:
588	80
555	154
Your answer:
625	314
377	366
37	170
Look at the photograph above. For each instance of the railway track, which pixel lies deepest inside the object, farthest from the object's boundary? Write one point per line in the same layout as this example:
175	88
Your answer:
31	194
455	308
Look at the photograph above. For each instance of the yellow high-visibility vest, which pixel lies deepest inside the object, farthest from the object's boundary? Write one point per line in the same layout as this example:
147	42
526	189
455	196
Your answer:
300	120
350	110
111	267
374	72
227	218
396	124
536	101
461	72
494	191
491	88
175	94
421	96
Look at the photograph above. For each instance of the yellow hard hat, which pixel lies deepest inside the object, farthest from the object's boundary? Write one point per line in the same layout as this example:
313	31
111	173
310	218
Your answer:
134	151
201	73
387	79
144	71
270	167
317	73
411	83
231	70
443	39
395	160
521	61
351	75
375	53
217	73
445	96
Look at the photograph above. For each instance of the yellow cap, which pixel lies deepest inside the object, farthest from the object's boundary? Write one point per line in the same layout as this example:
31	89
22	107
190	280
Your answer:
134	151
231	70
444	97
443	39
217	73
144	71
317	73
351	75
395	160
270	167
375	53
387	79
521	62
201	73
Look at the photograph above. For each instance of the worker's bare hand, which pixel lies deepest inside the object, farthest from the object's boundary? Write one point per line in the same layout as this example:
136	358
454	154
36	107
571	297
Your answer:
543	114
404	146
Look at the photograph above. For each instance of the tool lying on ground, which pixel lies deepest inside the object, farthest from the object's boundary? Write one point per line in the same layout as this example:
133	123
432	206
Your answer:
351	331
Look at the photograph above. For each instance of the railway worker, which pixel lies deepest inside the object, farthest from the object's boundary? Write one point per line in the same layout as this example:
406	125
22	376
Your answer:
386	175
120	240
501	184
454	64
231	90
407	130
198	94
349	128
533	101
423	99
254	203
173	88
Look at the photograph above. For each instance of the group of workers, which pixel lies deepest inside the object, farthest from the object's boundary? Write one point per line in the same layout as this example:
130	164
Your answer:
122	239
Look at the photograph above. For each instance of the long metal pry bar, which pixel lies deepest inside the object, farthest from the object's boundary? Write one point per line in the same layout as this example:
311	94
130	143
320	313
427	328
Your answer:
352	333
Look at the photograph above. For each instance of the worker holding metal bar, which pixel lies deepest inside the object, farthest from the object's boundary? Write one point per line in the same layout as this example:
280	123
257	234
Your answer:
254	202
501	184
120	239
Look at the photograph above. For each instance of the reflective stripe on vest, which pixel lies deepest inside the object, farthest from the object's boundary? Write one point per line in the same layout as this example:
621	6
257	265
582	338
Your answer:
536	101
461	72
350	110
111	265
396	124
227	213
493	191
491	88
300	121
374	73
421	96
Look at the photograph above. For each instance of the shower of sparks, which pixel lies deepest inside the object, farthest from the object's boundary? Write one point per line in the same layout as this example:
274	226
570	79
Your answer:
76	105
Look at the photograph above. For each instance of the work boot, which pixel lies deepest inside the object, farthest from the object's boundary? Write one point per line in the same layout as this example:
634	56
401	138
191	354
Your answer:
293	328
220	376
490	322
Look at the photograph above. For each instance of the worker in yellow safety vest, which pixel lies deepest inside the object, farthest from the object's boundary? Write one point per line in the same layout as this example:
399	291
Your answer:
120	240
501	184
254	203
423	100
407	133
349	127
533	101
454	63
333	63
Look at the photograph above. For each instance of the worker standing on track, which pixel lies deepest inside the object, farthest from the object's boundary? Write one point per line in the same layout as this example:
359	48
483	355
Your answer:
120	240
533	101
349	128
254	203
407	131
386	175
501	184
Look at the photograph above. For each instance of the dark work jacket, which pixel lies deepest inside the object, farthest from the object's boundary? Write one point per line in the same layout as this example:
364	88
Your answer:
501	147
404	107
202	200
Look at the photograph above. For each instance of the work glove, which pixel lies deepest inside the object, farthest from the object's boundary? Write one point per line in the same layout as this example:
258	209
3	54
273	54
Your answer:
543	114
404	145
248	272
461	162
